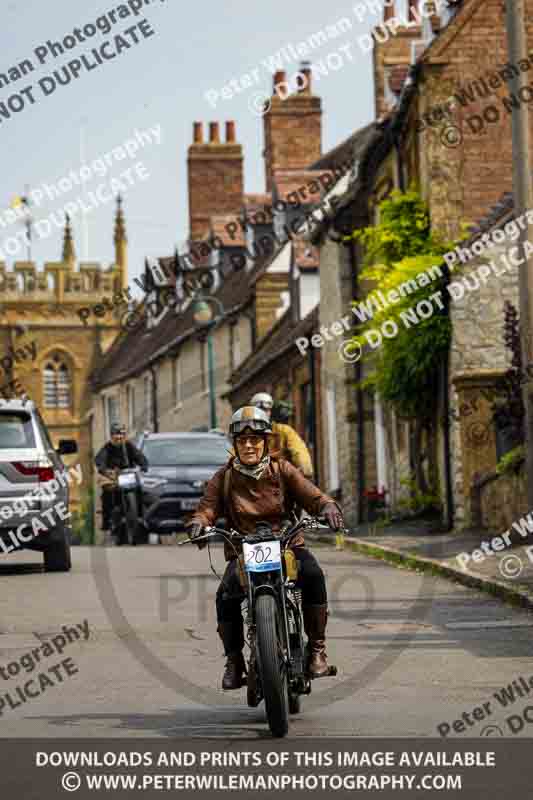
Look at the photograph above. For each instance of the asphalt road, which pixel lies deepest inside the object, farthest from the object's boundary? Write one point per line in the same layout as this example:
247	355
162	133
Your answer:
413	651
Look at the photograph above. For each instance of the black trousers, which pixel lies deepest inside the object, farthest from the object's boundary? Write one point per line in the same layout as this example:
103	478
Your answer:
311	581
109	500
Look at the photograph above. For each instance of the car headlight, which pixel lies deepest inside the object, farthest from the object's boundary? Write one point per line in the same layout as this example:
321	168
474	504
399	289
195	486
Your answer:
198	484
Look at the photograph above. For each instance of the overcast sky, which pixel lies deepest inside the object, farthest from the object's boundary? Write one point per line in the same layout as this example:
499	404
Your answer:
161	81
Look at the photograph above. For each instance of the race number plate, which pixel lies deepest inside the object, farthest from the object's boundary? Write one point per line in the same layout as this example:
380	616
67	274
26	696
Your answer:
128	480
262	557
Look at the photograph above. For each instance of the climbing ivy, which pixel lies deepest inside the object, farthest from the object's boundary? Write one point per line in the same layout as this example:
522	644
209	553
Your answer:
402	246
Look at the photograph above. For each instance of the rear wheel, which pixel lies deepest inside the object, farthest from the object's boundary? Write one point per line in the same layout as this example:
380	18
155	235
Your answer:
271	667
57	554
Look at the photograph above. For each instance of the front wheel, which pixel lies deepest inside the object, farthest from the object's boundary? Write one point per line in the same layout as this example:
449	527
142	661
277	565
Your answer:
271	666
133	525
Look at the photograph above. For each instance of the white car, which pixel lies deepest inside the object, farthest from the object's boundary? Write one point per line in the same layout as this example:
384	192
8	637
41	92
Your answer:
28	461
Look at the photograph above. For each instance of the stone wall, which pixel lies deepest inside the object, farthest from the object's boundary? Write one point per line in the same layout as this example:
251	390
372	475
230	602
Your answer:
477	359
503	501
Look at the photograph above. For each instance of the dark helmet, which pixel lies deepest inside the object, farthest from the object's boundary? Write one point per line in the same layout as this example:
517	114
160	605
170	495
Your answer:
249	417
117	429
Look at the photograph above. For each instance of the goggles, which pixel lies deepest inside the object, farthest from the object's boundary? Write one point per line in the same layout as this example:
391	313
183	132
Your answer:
254	425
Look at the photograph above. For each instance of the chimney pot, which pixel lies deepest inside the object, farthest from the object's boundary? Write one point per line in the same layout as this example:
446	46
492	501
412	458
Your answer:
214	135
230	131
198	136
279	77
305	69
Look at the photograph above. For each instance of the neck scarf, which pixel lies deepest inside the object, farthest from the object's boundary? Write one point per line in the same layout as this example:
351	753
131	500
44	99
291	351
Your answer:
252	472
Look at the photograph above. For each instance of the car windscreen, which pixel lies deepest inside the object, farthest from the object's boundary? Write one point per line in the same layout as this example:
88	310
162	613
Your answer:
16	430
190	451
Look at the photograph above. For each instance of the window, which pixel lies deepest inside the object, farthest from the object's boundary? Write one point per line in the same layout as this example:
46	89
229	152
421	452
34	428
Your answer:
187	451
333	453
177	378
130	394
56	383
235	346
306	396
16	431
148	408
203	362
44	431
112	412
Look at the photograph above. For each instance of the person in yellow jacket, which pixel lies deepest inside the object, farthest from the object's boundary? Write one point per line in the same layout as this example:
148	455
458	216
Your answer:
291	446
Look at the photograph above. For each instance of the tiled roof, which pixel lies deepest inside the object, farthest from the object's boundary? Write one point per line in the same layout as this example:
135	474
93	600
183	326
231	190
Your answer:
493	217
290	181
277	342
132	351
255	202
218	225
346	151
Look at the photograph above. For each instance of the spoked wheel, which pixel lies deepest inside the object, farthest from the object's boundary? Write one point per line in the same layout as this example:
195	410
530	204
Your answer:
253	691
271	667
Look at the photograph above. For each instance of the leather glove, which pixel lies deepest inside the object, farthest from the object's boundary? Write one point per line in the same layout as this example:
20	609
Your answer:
333	516
195	530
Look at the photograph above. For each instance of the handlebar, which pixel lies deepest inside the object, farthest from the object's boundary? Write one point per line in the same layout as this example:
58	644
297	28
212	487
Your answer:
284	535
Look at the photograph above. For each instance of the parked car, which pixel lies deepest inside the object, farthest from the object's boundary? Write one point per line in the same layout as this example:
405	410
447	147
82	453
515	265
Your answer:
186	461
27	461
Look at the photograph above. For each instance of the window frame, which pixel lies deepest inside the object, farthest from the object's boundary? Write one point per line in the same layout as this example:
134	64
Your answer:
60	396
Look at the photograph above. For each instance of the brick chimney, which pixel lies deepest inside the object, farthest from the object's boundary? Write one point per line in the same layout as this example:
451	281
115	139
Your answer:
392	50
215	177
292	125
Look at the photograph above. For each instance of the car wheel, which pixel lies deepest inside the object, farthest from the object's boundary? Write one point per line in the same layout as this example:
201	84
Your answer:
57	554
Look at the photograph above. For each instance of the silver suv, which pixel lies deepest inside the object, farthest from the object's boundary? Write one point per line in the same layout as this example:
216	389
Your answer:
34	493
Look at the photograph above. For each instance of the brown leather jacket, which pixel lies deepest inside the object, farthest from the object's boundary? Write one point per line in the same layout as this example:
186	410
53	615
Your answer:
269	498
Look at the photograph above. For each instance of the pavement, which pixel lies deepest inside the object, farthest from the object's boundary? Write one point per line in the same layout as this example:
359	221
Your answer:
414	651
422	545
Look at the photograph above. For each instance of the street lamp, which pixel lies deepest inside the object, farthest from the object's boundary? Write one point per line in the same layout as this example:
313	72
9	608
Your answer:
204	319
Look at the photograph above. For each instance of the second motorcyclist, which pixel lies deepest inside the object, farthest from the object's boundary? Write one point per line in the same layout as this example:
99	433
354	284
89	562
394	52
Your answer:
116	454
290	444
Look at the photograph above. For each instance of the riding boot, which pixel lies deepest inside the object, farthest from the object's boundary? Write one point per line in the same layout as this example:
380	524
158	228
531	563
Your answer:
315	619
232	635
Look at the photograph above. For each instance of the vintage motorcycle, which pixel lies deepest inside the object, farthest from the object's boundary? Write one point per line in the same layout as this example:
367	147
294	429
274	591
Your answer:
127	521
277	663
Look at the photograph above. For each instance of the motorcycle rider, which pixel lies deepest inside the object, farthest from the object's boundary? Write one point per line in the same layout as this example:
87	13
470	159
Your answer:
116	454
291	446
258	485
